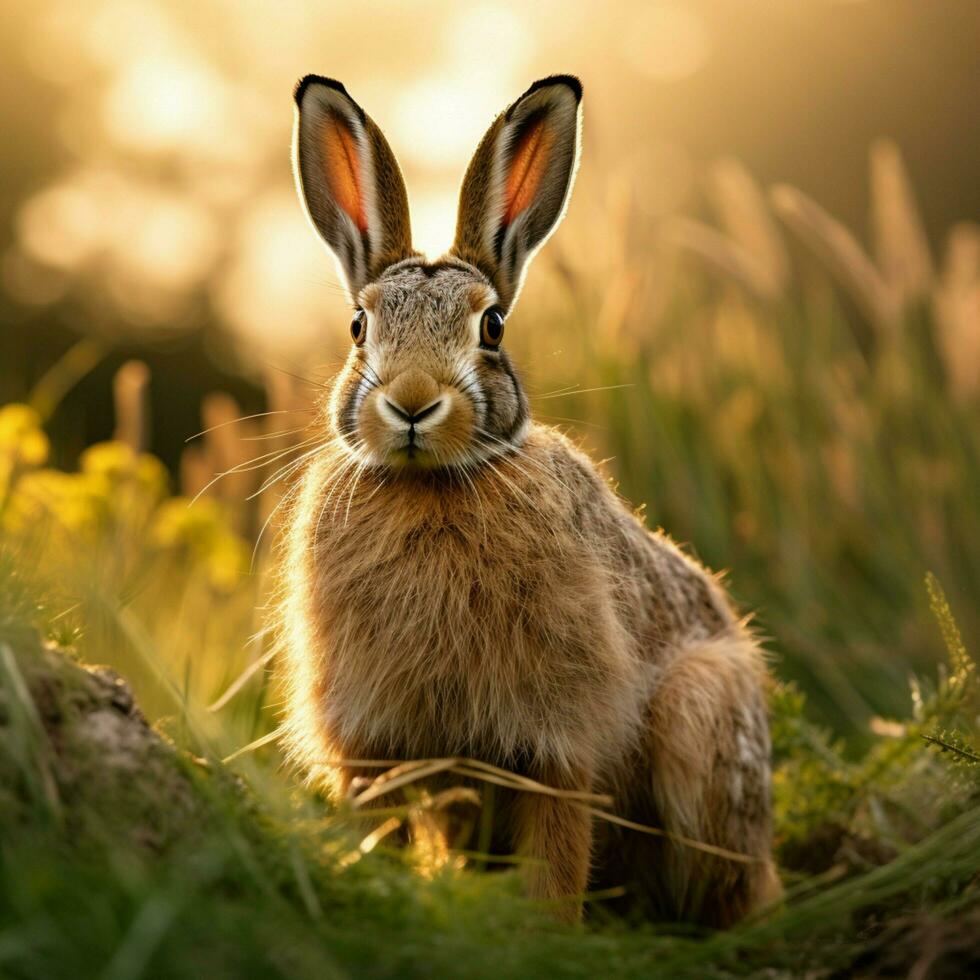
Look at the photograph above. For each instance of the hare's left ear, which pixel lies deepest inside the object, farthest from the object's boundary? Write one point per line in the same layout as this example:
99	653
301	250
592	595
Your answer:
349	181
517	186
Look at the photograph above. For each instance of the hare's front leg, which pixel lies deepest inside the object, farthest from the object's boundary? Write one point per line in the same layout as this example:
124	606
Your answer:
555	836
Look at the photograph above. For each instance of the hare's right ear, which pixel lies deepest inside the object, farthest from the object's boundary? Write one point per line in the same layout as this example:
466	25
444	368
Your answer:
516	187
350	182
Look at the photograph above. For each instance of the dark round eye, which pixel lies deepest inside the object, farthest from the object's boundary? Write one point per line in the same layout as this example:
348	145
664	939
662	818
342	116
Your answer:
358	327
492	327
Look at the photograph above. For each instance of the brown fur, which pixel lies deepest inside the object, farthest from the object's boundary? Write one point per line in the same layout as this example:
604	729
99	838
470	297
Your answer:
392	203
466	584
530	621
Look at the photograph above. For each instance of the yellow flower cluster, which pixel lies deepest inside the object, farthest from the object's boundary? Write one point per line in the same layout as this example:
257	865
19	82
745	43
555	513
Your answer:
200	530
118	496
23	444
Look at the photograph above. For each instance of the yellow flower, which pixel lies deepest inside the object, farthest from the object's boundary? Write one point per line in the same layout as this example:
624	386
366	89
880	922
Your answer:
202	532
114	486
44	494
115	463
22	441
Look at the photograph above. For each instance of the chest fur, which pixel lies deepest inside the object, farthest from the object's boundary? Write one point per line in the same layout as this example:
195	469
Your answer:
442	625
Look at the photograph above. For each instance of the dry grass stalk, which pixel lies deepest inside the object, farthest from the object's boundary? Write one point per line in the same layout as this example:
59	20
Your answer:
721	252
257	743
376	836
956	304
674	838
243	678
901	248
841	252
195	471
422	815
745	216
131	390
403	774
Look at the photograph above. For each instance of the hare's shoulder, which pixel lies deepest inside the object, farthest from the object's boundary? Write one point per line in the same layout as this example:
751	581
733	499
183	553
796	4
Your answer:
598	510
669	593
574	475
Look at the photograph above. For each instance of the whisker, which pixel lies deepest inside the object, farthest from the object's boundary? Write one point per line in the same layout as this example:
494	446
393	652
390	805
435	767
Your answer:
530	461
266	459
350	472
563	388
331	486
246	418
350	496
312	382
290	468
281	434
582	391
371	383
377	377
255	550
562	418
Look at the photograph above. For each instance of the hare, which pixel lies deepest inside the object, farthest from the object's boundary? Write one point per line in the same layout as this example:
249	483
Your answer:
458	580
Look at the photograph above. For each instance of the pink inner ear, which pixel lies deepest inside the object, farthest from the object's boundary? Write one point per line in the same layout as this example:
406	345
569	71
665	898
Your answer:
342	164
527	168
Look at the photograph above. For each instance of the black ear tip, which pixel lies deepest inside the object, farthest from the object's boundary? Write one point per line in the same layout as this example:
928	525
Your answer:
569	81
307	80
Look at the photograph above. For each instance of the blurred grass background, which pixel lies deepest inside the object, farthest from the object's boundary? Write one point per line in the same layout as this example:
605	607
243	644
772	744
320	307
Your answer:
763	310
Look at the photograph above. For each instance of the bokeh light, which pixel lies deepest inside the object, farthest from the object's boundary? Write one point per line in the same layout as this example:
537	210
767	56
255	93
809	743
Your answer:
278	286
667	40
163	195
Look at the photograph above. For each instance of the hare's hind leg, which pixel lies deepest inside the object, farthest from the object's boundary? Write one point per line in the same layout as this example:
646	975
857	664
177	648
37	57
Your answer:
703	774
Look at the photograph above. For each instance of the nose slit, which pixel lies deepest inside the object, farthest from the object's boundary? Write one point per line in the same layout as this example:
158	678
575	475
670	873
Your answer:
418	416
426	412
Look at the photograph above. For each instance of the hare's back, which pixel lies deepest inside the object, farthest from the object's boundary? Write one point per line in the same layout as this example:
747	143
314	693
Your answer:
664	595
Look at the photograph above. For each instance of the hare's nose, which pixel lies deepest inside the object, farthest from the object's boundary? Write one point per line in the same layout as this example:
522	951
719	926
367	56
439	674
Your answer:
415	417
413	395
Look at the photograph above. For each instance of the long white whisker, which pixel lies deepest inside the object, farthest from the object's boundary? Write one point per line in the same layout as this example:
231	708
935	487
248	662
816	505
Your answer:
350	497
266	459
255	550
281	434
581	391
292	466
246	418
333	483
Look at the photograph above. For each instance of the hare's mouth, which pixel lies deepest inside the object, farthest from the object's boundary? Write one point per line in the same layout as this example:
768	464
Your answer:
400	428
413	456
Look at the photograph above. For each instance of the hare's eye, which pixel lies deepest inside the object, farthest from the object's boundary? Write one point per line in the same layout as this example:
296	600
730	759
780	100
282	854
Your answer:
492	327
358	327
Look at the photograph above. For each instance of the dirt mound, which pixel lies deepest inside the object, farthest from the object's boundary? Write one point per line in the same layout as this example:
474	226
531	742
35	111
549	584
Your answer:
75	747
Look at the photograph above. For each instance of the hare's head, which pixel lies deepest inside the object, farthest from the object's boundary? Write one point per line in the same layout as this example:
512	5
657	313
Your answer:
427	382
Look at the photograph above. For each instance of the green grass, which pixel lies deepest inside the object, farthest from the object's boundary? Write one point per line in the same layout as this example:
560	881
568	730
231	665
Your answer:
232	871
